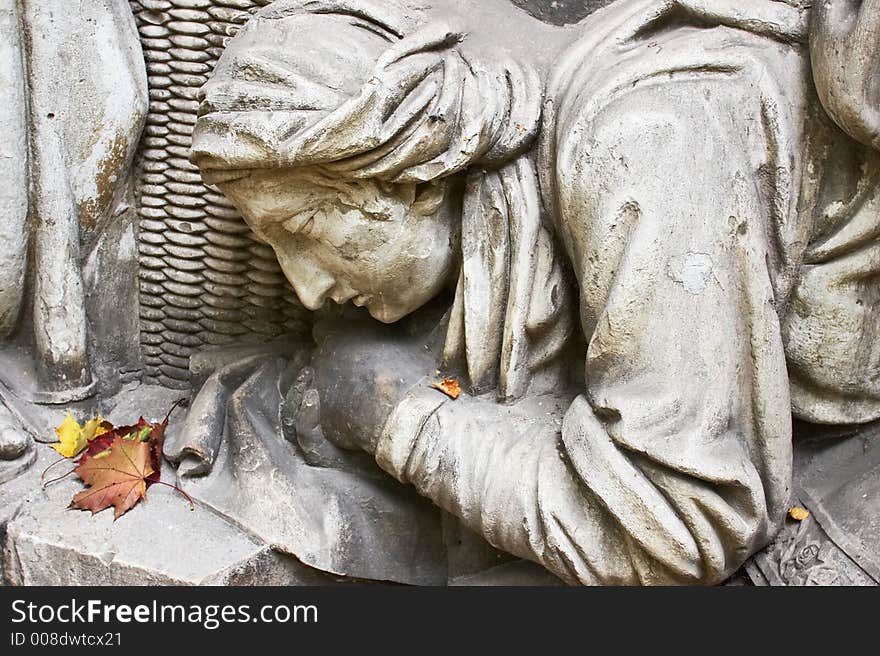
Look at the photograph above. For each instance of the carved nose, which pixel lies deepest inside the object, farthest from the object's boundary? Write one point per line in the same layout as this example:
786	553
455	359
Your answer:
312	293
310	300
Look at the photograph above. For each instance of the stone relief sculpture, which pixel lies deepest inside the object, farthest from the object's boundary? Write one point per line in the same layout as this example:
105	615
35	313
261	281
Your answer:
76	101
678	164
642	234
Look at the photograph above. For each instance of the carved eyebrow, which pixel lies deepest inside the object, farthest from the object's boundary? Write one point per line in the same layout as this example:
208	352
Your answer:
330	184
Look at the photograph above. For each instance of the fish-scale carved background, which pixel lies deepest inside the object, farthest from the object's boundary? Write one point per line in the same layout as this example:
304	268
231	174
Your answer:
205	279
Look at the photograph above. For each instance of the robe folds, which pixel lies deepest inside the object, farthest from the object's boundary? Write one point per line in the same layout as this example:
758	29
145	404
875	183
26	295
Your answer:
723	234
687	259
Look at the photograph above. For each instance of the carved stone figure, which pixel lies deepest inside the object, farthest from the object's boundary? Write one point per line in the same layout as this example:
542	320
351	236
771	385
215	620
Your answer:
643	235
75	105
671	175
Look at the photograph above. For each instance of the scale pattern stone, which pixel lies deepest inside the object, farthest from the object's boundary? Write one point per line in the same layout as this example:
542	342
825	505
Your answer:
205	279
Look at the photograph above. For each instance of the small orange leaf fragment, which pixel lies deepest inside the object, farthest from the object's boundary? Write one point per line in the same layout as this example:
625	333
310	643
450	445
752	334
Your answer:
798	514
449	386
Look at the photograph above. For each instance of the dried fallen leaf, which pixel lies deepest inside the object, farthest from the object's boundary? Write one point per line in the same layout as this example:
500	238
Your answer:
449	386
96	446
156	438
96	427
798	514
117	463
73	438
70	437
117	476
102	442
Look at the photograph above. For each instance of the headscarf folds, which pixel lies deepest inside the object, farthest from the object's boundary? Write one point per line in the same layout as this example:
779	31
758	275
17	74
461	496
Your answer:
361	91
408	108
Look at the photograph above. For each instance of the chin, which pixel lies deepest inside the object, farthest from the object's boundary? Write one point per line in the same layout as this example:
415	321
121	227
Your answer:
387	314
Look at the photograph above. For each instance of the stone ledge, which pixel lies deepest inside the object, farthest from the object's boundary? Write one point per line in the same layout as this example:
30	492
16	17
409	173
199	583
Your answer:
159	542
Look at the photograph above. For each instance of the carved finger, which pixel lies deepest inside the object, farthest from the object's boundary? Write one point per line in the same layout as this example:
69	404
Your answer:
304	381
308	419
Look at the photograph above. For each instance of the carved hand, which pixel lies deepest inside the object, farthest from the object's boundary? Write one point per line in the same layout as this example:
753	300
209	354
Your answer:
358	375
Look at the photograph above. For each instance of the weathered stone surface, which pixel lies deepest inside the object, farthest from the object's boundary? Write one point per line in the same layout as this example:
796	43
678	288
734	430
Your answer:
14	490
87	103
14	232
836	477
561	12
110	275
14	444
344	517
640	234
175	204
159	542
802	554
424	168
846	61
76	101
515	573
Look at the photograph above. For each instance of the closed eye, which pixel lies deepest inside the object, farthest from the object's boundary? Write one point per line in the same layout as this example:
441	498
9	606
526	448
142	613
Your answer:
301	223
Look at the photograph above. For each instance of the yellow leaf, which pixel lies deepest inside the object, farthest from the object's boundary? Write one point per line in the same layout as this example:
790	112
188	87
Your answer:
96	427
70	438
798	514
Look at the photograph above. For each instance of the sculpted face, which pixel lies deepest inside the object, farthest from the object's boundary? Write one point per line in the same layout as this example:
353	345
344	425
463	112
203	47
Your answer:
387	247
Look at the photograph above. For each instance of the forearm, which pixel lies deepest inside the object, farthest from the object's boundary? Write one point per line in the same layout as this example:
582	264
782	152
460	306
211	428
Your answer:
566	492
503	470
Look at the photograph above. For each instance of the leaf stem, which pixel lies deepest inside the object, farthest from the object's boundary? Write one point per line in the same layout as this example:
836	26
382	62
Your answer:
180	401
192	505
58	478
45	471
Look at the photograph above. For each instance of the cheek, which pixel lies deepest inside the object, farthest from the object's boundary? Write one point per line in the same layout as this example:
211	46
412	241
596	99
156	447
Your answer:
417	263
350	234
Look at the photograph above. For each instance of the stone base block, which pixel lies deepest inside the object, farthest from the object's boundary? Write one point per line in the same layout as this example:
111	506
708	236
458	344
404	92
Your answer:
159	542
